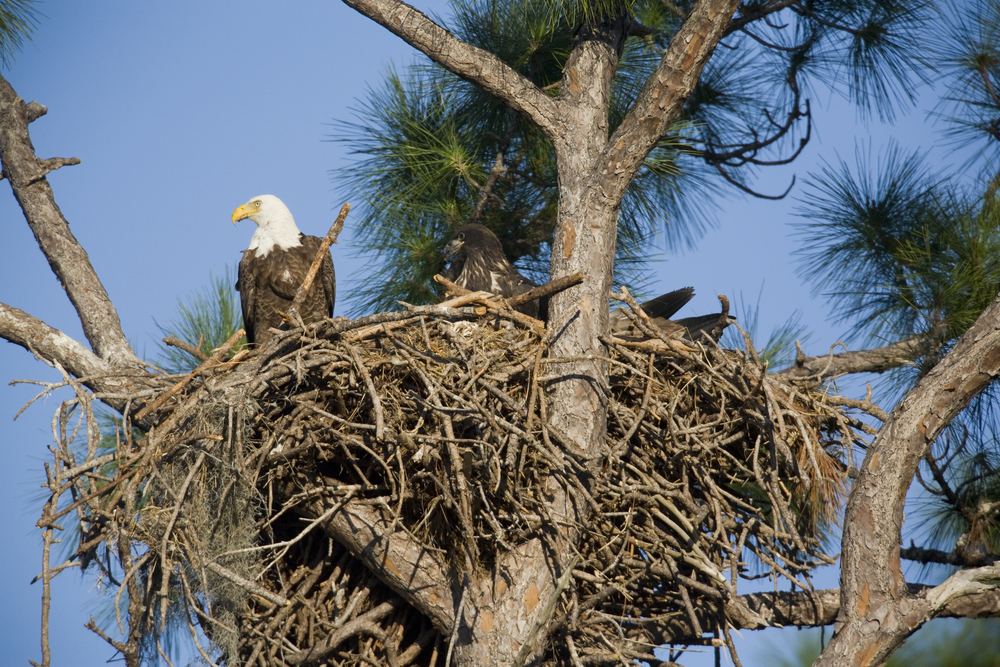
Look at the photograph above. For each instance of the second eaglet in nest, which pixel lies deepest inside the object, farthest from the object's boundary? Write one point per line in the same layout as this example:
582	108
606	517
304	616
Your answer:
478	264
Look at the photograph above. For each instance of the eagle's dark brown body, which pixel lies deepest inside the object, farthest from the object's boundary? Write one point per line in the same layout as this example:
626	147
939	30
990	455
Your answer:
478	263
267	286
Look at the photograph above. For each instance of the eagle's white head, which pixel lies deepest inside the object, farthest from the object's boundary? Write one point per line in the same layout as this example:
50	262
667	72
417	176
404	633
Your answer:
275	224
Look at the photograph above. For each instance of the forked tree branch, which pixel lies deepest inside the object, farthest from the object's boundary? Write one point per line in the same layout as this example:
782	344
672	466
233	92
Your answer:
469	62
69	261
661	100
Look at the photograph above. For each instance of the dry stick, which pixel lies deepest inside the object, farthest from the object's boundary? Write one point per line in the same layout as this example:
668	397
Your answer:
187	347
324	247
372	393
214	359
46	584
549	288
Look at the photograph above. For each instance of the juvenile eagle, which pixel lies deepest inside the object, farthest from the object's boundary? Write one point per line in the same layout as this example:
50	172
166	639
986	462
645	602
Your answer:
476	253
274	266
478	264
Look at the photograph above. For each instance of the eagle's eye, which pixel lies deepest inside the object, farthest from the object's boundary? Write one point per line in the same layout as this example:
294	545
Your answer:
461	237
257	204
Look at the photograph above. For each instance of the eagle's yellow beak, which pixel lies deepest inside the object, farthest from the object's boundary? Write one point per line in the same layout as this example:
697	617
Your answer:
240	213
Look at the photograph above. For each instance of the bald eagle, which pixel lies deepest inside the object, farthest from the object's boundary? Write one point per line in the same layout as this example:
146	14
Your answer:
479	264
274	266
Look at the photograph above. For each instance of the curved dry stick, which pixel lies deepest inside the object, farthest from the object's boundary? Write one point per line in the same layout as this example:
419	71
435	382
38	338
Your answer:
324	247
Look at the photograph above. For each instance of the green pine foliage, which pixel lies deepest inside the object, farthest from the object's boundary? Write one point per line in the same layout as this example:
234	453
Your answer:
18	19
898	249
427	142
967	53
206	320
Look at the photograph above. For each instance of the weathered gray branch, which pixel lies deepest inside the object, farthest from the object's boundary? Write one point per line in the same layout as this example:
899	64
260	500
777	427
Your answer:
875	360
878	611
39	338
469	62
69	261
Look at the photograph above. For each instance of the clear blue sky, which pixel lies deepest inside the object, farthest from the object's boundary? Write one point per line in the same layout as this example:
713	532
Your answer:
181	112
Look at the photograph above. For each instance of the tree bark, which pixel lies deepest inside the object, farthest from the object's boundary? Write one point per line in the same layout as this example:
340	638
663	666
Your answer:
862	361
878	611
472	64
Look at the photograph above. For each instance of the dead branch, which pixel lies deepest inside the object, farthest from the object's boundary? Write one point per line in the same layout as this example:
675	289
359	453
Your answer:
190	349
69	261
876	360
324	247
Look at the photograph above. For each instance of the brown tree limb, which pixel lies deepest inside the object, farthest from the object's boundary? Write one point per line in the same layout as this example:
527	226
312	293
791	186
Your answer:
878	612
389	552
548	289
875	360
69	261
664	95
469	62
810	609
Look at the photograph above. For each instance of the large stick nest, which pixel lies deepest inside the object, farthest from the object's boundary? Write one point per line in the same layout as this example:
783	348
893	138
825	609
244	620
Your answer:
711	468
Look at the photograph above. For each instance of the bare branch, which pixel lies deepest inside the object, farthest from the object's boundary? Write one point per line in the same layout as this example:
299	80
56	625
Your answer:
875	360
69	261
39	338
473	64
324	247
925	556
810	609
187	347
